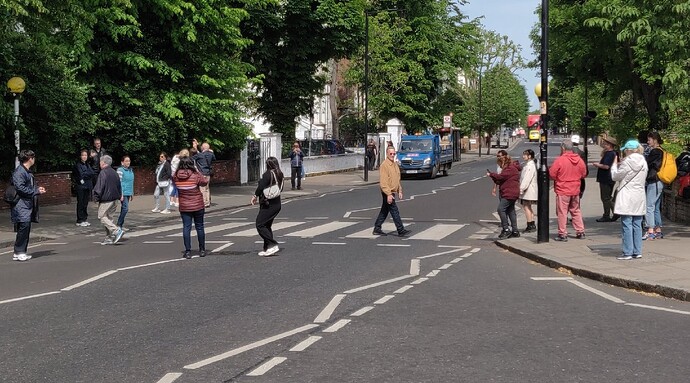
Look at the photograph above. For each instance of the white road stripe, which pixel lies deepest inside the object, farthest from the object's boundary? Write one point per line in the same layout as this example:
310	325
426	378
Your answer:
384	299
321	229
170	377
453	247
329	243
29	247
446	219
154	230
595	291
418	281
337	325
415	267
478	236
221	247
92	279
387	227
248	347
437	232
475	250
266	367
216	228
377	284
447	265
402	289
441	253
28	297
362	311
157	242
456	260
326	313
392	245
150	264
658	308
252	232
303	345
433	273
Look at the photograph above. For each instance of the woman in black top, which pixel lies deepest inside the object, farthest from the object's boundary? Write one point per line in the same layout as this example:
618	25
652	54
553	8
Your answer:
268	208
83	176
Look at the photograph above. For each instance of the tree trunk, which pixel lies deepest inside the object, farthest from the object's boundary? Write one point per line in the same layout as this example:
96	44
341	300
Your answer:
333	99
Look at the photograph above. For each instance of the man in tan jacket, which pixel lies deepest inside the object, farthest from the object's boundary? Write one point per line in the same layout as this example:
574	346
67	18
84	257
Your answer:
390	185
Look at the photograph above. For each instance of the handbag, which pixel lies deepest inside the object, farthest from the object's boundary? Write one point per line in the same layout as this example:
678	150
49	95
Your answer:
273	191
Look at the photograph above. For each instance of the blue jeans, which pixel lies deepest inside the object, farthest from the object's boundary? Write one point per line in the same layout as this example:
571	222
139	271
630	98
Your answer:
198	218
506	211
653	216
123	211
383	214
631	231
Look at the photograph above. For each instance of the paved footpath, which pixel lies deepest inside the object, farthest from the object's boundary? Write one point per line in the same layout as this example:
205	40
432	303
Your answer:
664	268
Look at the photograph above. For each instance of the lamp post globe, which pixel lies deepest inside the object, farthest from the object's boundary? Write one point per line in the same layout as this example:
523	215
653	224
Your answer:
16	86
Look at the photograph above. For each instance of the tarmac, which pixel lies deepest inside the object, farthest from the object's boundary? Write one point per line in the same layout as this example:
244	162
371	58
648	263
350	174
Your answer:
664	268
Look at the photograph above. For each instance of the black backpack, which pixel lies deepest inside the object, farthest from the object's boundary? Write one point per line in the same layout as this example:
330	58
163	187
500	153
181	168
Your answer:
11	196
683	163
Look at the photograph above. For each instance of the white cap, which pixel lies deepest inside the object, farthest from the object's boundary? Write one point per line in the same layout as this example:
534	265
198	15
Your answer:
575	139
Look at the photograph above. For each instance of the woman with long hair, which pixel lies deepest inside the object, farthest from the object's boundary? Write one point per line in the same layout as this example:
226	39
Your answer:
188	180
83	176
528	188
268	208
508	181
654	188
163	176
126	175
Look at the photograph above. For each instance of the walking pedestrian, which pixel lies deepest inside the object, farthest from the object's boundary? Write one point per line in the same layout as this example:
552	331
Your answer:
268	207
389	183
567	171
372	153
499	160
25	210
126	175
528	188
508	181
631	173
107	192
83	177
296	163
606	183
163	176
654	187
188	181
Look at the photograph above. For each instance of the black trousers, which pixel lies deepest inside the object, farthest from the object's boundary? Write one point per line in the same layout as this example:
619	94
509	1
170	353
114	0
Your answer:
264	221
605	191
296	172
83	197
383	214
21	243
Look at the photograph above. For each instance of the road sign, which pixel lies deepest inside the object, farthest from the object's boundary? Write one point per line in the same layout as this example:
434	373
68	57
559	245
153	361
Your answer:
447	120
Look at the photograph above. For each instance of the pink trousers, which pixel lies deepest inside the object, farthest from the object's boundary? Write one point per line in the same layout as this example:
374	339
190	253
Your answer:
569	204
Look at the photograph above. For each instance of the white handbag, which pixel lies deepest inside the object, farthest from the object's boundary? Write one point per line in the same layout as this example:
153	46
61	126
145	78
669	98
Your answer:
273	191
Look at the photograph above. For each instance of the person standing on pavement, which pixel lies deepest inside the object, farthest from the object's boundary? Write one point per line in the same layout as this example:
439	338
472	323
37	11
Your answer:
126	175
508	181
83	177
296	163
575	139
188	181
389	183
654	187
107	192
96	153
606	183
163	176
372	153
25	210
268	208
204	159
528	188
631	173
567	171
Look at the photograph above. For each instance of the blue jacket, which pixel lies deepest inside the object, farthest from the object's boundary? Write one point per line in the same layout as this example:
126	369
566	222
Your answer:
204	161
23	181
126	180
296	159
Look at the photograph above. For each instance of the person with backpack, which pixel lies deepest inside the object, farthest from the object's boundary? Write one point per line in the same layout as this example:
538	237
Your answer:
654	188
25	210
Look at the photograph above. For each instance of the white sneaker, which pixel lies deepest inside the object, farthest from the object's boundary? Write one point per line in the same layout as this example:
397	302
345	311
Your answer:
107	241
166	211
624	257
271	251
85	223
262	253
80	224
155	210
21	257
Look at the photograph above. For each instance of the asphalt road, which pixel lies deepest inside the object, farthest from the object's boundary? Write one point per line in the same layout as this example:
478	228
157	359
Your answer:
337	305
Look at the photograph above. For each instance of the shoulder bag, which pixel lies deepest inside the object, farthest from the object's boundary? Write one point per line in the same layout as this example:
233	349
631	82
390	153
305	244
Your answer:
273	191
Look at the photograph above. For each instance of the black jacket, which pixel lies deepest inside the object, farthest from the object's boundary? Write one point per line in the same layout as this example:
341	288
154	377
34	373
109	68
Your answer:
82	171
654	159
108	187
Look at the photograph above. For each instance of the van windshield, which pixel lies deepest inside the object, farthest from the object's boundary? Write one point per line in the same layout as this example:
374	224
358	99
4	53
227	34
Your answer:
416	146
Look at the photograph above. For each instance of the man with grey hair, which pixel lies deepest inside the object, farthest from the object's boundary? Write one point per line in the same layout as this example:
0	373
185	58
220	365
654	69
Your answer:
107	192
567	171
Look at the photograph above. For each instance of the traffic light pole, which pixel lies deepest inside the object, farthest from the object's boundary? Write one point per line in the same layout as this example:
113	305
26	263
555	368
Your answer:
543	174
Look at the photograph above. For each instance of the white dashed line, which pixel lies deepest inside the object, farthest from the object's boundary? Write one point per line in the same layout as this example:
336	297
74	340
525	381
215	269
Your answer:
29	297
93	279
433	273
658	308
170	378
326	313
402	289
266	367
384	299
337	325
362	311
303	345
447	265
150	264
391	245
217	249
418	281
597	292
456	260
377	284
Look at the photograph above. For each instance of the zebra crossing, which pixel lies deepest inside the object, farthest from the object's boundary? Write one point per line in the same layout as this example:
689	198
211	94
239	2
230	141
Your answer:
311	229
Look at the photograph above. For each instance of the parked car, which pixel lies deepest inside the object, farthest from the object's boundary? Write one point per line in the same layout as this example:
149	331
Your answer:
323	147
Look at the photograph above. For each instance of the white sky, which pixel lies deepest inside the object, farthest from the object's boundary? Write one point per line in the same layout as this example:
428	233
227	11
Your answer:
513	18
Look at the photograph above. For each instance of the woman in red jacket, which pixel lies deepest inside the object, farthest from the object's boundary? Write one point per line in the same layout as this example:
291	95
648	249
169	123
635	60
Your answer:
508	182
187	180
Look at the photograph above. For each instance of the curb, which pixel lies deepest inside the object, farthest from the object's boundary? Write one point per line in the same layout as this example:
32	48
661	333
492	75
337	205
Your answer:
665	291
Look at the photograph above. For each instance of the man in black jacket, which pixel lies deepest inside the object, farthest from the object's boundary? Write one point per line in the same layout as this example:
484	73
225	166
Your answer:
107	192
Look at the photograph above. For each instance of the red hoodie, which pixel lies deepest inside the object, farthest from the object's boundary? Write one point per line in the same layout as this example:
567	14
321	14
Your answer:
508	181
567	171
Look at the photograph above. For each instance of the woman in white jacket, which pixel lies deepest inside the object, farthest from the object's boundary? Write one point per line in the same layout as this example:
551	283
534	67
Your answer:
631	174
528	188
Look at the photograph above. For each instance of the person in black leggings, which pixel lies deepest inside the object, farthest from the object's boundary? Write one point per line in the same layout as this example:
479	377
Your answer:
268	207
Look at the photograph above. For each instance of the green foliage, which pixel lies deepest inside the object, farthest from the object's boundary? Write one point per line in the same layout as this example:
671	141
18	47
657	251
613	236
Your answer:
504	99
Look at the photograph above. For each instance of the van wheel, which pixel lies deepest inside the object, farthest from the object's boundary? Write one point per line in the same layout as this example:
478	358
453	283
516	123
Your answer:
434	172
445	172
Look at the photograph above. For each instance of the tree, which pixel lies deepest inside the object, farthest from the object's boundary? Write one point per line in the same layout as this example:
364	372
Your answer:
505	100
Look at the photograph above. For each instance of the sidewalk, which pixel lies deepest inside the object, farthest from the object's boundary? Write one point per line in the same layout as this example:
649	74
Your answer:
664	268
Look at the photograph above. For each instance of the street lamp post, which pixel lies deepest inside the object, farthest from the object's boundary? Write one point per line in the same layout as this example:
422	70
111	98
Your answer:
16	85
366	93
542	91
